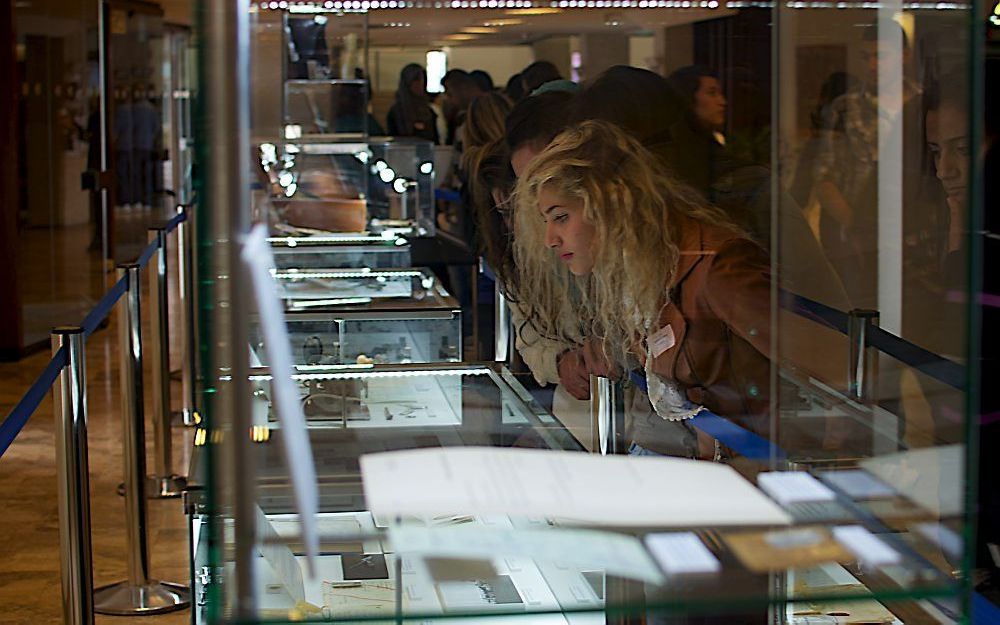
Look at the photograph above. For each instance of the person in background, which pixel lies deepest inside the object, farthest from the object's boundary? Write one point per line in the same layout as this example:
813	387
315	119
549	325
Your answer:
483	80
537	74
411	114
515	88
459	90
846	172
703	91
146	131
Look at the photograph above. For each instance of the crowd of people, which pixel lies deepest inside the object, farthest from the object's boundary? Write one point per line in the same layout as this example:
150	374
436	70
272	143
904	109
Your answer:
627	235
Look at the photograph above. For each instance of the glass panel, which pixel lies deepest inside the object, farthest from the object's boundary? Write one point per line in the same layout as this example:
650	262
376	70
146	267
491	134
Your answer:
59	265
817	359
879	145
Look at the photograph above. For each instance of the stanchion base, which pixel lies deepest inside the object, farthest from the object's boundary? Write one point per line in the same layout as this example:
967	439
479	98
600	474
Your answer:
123	599
161	487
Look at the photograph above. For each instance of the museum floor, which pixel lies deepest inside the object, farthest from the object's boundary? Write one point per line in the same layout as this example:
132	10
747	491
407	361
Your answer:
29	524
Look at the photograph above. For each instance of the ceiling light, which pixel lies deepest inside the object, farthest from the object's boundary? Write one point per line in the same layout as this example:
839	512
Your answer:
461	37
534	11
478	30
503	22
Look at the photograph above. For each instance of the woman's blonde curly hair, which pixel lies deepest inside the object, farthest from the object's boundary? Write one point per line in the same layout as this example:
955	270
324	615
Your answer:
631	200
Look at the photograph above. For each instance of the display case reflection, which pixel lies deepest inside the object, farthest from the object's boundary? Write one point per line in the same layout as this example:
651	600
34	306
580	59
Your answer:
366	317
385	185
383	251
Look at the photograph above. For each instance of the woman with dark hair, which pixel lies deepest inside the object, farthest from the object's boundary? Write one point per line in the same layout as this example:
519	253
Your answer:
701	88
411	114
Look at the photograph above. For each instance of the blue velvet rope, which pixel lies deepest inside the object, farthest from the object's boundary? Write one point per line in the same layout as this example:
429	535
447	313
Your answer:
19	416
175	221
739	439
447	195
984	611
103	308
147	254
929	363
15	421
821	313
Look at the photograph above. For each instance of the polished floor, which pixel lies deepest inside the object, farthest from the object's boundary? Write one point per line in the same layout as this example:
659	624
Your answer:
29	523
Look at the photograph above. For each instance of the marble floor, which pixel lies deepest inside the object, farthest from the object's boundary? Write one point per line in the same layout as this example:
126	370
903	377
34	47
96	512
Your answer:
29	524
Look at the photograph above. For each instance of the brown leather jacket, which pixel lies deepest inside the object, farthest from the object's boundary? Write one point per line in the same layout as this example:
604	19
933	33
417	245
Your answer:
722	321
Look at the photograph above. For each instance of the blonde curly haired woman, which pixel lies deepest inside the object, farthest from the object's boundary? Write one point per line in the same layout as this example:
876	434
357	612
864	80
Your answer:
666	281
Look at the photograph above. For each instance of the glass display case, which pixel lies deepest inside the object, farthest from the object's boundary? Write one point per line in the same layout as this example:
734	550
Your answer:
327	107
340	251
401	185
835	404
383	184
347	317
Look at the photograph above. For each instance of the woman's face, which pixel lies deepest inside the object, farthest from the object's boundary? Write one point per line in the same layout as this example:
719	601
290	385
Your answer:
418	86
566	231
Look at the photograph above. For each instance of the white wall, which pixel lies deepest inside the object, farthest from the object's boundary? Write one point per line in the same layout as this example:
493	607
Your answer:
642	53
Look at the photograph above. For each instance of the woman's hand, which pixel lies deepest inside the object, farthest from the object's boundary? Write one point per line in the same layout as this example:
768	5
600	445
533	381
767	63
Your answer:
573	373
597	361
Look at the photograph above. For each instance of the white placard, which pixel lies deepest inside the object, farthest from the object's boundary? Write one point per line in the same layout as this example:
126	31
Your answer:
681	552
858	484
789	487
866	547
578	488
617	554
287	405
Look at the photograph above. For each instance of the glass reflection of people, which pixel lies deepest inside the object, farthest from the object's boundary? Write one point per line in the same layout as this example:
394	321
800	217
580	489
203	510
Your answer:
663	123
146	129
664	280
410	114
847	166
836	85
123	146
703	91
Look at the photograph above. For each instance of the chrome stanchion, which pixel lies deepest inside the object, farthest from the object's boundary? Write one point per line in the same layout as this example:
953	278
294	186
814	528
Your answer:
606	416
185	282
138	594
501	325
73	480
863	367
163	483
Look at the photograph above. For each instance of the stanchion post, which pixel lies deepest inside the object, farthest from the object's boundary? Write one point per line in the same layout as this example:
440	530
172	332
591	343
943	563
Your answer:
501	325
185	290
163	483
138	594
862	374
75	556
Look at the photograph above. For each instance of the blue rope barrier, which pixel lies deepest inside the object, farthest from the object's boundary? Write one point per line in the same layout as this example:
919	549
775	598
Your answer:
15	421
19	416
103	308
175	221
147	254
447	195
984	611
927	362
821	313
735	437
